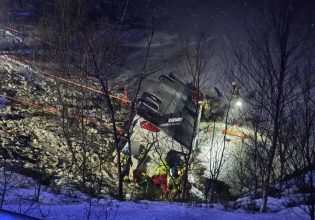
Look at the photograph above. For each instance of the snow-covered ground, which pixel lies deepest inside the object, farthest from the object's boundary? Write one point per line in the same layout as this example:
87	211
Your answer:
53	207
74	205
21	198
22	192
22	195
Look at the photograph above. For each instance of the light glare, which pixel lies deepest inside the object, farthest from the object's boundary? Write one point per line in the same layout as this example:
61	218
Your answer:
239	103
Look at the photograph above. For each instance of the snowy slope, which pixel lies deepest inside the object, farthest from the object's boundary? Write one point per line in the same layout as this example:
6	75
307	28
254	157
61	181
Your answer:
111	209
71	204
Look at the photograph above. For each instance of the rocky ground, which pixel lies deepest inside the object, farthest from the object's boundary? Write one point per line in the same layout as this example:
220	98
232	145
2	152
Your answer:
53	126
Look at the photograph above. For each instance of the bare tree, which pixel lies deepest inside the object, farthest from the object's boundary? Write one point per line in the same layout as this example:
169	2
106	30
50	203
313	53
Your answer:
267	66
94	51
104	74
7	176
194	70
302	160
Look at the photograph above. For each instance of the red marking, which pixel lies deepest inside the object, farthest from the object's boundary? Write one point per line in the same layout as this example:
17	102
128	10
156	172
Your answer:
149	126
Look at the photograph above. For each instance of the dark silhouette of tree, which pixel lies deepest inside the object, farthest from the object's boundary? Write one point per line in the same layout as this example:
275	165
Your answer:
267	67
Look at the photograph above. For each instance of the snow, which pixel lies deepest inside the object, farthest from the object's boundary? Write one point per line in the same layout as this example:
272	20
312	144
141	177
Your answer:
80	206
274	204
112	209
75	205
71	204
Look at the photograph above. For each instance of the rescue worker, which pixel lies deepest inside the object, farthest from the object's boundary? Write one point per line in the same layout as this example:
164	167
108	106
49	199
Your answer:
206	109
175	181
124	159
160	178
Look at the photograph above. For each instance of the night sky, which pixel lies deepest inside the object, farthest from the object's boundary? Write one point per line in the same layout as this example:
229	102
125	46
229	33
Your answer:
220	17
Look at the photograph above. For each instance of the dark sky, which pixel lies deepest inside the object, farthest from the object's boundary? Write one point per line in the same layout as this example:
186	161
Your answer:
190	16
220	17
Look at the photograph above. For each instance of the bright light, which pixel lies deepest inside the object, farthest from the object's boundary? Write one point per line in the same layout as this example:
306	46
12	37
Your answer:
239	103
